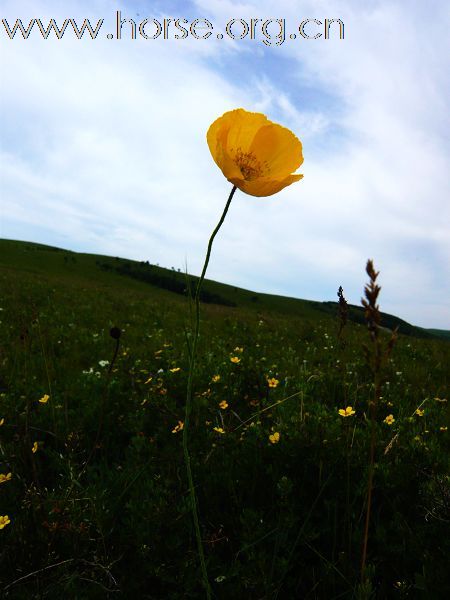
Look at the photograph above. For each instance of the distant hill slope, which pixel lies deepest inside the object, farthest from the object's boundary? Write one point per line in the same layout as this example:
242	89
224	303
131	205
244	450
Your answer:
50	261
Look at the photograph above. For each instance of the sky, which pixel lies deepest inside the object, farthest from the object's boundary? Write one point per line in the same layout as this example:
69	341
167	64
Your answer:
103	143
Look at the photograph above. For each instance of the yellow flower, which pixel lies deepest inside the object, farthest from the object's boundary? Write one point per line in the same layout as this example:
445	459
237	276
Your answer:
34	448
45	398
274	438
237	349
346	412
235	359
254	154
273	382
4	521
6	477
223	405
219	430
419	412
215	378
389	420
444	428
175	370
178	427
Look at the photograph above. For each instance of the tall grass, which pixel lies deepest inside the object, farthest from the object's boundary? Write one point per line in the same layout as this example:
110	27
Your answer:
279	517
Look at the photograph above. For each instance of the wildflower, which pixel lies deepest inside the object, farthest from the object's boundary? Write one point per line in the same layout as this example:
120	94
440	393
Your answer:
235	359
223	405
103	363
4	521
215	378
178	427
34	448
254	154
272	382
346	412
237	349
419	412
219	430
175	370
6	477
274	438
389	420
444	428
45	398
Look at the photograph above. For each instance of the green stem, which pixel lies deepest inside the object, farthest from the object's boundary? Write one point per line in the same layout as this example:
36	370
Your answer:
187	458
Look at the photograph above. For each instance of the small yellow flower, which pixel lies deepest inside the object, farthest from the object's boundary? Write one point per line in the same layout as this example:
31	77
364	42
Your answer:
4	477
34	448
443	428
4	521
389	420
219	430
175	370
45	398
274	438
346	412
272	382
254	154
215	378
223	405
178	427
419	412
237	349
235	359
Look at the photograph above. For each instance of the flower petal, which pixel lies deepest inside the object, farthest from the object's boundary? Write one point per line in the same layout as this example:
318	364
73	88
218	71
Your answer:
279	149
264	186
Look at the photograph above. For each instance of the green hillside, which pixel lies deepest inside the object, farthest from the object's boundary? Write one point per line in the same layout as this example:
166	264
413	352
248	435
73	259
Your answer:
298	419
49	261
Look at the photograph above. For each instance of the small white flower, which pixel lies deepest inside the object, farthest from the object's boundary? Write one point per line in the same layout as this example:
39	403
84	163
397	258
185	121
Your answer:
103	363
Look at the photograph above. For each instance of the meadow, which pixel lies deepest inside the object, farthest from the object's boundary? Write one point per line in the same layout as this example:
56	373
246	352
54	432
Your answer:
94	356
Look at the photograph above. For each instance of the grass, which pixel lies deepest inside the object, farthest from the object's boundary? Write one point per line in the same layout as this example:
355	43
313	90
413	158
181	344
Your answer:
102	508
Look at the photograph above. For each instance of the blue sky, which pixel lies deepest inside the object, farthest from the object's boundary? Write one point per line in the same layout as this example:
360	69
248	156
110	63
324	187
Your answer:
103	145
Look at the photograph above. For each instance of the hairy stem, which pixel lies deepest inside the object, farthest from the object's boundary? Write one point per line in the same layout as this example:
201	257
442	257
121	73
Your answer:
188	410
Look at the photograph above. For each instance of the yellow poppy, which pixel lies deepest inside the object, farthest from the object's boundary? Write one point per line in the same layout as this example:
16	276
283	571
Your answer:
254	154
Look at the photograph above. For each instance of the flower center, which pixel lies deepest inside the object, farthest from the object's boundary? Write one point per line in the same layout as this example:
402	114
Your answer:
249	165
